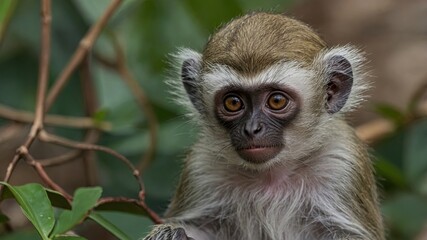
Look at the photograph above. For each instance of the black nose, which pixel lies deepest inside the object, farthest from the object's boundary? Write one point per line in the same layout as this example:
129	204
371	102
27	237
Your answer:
253	128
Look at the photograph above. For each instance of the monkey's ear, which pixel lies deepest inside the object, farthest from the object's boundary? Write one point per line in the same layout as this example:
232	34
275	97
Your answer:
339	83
190	76
344	78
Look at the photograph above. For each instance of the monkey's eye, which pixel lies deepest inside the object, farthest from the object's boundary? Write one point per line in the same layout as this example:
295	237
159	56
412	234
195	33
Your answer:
233	103
277	101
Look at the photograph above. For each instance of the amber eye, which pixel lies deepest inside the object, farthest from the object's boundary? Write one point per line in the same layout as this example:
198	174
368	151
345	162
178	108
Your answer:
277	101
233	103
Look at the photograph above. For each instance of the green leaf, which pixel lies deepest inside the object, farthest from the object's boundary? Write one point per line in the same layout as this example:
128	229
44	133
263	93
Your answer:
415	152
108	226
57	199
33	200
100	116
133	225
392	113
84	200
391	148
406	214
6	9
130	206
391	173
22	234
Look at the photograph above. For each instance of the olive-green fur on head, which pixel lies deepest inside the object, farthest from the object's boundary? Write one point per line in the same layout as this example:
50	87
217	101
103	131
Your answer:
255	41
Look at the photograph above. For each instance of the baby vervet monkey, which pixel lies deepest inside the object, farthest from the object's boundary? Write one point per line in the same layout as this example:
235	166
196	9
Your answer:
275	158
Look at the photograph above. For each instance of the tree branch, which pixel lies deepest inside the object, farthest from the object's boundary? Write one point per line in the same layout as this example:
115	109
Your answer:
91	106
85	45
55	120
61	159
23	151
46	19
120	66
46	137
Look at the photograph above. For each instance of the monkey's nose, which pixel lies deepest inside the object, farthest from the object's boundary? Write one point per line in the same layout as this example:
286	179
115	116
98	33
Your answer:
253	128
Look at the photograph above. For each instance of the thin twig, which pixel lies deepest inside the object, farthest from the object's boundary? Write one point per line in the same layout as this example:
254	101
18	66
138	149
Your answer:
85	45
107	200
121	67
10	169
46	137
23	151
153	216
61	159
91	137
54	120
91	106
142	100
44	68
46	19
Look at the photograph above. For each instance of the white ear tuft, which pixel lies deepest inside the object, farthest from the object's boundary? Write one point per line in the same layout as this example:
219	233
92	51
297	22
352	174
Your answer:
179	93
357	61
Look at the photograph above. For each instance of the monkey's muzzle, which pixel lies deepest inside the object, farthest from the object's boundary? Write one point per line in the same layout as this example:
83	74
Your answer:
259	154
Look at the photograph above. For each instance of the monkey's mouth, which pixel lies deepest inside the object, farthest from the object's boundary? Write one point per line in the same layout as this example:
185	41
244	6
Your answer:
259	154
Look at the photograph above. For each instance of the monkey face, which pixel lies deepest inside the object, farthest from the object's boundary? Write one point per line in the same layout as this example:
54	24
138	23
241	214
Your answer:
256	118
277	114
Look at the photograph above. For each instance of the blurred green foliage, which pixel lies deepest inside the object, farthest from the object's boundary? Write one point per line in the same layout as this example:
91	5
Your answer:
402	172
149	31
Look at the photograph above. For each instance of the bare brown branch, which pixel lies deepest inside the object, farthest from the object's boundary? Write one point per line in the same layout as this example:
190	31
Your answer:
120	66
61	159
85	45
54	120
91	106
373	131
91	137
23	151
153	216
43	104
46	19
149	113
46	137
108	200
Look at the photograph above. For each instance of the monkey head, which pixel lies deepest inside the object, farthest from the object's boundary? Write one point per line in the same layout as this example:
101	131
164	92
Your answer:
266	88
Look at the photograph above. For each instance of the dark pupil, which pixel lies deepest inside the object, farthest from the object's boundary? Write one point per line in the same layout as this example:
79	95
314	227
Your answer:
234	101
277	99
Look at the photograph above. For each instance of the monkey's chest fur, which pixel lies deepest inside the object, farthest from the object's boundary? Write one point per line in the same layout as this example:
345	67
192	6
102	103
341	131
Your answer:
267	206
264	211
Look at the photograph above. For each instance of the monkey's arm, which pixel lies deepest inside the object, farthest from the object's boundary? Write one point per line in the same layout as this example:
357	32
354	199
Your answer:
176	227
176	231
167	232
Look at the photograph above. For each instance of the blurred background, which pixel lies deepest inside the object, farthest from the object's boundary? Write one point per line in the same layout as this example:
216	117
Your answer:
393	33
